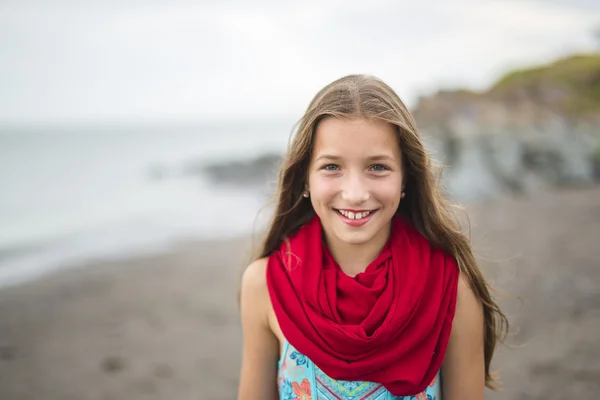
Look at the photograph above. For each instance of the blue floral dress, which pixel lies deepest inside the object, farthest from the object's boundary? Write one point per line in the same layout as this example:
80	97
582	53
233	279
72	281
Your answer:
300	379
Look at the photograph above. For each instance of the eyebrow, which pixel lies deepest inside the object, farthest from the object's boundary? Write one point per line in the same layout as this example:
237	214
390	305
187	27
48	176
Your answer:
380	157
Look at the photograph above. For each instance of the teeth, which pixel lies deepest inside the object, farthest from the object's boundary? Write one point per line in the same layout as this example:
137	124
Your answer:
351	215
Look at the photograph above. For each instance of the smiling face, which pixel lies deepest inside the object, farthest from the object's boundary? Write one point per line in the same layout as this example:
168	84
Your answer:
355	179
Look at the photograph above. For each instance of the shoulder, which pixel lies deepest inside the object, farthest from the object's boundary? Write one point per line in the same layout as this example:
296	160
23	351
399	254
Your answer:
469	308
465	289
255	273
255	302
254	278
254	296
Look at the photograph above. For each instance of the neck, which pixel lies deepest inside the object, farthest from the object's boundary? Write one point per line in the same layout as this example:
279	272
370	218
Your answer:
355	258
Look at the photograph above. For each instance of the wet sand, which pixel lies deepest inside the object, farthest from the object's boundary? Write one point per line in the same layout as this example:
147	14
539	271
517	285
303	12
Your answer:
167	327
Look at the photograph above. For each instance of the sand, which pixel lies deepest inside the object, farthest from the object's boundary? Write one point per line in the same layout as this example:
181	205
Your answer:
166	327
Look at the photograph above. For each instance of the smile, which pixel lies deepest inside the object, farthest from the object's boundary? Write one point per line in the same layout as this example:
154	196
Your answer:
355	215
355	218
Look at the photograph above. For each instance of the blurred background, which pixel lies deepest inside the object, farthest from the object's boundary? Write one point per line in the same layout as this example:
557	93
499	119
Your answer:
140	139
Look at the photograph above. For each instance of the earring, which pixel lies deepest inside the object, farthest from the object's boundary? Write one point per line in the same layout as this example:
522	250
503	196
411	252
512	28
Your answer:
305	194
402	194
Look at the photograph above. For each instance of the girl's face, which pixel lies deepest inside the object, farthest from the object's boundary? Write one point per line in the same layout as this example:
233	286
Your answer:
355	179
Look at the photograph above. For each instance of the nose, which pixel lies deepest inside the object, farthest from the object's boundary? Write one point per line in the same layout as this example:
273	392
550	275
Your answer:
354	190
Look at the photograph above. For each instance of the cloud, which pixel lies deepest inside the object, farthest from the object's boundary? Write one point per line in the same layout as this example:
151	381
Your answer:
145	60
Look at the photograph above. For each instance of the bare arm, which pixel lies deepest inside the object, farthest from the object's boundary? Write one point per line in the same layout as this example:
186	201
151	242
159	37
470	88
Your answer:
463	371
258	378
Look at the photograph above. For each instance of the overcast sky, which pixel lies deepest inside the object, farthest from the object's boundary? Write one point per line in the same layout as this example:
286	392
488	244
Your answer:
64	61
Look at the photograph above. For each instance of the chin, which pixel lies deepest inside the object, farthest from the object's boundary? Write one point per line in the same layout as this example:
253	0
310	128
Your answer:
356	236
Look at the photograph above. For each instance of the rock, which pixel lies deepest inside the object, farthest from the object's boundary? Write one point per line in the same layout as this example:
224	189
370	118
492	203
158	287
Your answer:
7	352
534	128
251	172
469	176
498	149
113	364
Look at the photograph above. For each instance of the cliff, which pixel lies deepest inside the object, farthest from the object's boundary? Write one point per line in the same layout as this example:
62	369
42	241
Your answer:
533	127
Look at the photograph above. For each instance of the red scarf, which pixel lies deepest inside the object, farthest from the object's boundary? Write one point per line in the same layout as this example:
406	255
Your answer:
389	324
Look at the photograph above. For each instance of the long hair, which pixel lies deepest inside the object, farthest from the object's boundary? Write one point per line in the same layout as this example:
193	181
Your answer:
424	204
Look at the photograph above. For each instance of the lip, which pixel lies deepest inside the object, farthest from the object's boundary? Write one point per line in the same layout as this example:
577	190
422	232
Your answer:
355	222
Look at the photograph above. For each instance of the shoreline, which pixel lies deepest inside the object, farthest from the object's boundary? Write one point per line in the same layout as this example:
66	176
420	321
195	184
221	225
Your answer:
28	263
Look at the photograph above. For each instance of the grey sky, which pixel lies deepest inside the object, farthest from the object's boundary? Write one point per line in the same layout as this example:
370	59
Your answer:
151	60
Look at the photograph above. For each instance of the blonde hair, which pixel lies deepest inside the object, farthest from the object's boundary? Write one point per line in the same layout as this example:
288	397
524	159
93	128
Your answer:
361	96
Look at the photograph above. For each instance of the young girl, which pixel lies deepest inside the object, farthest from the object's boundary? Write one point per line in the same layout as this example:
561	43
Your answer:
365	288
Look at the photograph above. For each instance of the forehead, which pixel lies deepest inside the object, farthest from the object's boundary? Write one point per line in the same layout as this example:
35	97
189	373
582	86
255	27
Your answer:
356	138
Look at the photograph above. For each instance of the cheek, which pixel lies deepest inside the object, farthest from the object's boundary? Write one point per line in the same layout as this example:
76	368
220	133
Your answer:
388	192
323	189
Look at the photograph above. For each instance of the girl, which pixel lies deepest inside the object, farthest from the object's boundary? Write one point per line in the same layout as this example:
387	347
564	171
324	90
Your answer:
365	288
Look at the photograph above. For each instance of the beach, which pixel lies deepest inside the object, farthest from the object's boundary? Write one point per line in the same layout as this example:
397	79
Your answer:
166	326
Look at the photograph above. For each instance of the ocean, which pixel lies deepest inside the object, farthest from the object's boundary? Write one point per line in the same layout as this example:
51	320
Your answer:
74	195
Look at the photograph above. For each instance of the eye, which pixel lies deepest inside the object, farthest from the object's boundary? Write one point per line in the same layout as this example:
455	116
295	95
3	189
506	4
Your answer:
379	168
330	167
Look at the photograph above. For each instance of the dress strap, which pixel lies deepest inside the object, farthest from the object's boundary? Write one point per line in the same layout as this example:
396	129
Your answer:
286	346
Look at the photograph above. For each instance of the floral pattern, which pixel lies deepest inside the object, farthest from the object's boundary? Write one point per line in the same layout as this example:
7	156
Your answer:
302	390
299	358
286	391
303	380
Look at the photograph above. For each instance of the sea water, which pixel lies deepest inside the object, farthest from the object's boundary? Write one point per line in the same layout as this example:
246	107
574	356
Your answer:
70	195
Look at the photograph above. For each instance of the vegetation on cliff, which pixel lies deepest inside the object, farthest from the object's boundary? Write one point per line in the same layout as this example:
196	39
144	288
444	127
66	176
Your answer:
570	85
